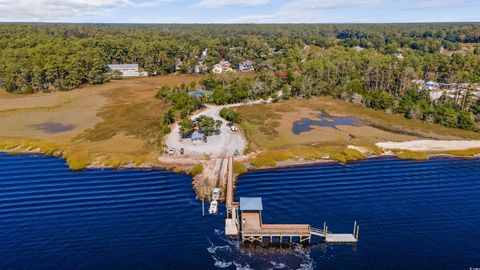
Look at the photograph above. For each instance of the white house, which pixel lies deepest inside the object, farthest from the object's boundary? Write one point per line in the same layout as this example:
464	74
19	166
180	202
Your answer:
128	70
223	66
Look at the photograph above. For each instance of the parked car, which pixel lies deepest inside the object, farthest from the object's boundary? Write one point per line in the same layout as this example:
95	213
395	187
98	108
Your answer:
172	151
182	151
234	128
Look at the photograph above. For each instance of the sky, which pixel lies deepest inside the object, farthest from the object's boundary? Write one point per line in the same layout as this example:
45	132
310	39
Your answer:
239	11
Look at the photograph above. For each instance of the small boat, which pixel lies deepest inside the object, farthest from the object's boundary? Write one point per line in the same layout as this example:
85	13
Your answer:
213	208
216	194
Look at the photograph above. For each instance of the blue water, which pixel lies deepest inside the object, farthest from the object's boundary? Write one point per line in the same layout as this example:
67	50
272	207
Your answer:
413	215
51	127
305	124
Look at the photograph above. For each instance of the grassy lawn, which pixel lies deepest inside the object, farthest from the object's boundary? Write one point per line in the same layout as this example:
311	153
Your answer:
268	128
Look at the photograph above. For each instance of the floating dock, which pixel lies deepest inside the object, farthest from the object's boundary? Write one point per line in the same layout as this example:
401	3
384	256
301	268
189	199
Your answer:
252	230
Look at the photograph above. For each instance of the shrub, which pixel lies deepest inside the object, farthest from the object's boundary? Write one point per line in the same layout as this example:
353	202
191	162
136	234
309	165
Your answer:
259	162
197	169
230	115
239	168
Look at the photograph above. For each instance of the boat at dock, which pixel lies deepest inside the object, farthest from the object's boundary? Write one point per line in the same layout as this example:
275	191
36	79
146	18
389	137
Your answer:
216	194
213	207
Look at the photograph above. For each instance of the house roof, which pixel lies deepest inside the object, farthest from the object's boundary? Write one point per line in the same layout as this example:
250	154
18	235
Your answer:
251	204
123	66
197	135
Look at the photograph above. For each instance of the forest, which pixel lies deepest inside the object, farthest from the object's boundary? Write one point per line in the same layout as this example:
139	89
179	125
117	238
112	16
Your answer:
369	64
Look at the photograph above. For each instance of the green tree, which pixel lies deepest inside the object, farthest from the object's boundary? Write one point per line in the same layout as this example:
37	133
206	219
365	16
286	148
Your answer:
186	127
220	96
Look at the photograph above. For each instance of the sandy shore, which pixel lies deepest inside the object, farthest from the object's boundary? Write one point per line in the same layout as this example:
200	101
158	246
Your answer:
430	145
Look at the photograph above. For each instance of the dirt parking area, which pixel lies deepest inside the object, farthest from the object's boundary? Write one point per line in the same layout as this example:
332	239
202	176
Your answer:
217	146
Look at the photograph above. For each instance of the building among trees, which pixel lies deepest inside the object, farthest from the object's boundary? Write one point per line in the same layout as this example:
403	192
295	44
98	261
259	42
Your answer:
128	70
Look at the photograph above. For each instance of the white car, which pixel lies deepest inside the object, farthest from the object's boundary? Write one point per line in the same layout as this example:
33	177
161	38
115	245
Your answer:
233	128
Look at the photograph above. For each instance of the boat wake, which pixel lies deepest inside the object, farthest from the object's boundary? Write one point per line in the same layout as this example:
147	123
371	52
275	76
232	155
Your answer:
228	252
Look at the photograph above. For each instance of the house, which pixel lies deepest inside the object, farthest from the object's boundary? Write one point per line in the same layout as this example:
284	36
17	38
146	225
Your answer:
418	82
203	56
358	48
197	136
398	55
200	68
222	66
178	65
127	70
246	66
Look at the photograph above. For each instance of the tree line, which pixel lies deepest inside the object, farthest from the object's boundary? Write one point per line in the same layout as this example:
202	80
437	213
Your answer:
371	64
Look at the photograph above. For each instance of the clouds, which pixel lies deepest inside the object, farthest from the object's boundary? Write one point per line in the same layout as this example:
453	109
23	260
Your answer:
327	4
223	3
243	11
61	10
364	11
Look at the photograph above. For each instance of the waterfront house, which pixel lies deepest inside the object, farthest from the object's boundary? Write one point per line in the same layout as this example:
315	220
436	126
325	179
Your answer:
127	70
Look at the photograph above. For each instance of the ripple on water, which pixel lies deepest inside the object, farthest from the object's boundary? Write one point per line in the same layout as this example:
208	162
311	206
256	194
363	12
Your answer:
413	215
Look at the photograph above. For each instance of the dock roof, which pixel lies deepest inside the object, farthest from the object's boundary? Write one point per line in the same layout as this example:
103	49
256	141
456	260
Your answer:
251	204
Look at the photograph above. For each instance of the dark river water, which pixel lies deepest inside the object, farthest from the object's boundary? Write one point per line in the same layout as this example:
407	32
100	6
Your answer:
412	215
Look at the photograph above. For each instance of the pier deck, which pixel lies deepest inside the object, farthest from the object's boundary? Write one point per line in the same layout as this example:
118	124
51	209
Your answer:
254	231
252	225
340	238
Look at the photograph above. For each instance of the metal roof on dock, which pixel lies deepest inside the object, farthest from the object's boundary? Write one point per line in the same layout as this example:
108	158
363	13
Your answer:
251	204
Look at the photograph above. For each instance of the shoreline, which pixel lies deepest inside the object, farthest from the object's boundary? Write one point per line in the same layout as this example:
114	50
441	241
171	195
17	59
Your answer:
174	166
200	183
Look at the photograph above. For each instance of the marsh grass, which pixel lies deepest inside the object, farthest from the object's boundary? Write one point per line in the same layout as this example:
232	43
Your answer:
197	169
413	155
267	128
270	158
464	153
239	168
129	131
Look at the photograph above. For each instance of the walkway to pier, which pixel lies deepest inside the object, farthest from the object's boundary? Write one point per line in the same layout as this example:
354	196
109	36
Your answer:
232	221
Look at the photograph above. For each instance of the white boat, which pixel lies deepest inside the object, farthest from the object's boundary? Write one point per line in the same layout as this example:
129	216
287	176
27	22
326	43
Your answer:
216	194
213	208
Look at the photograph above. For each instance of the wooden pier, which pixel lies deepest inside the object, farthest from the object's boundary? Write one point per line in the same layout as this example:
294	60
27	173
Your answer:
252	230
232	221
